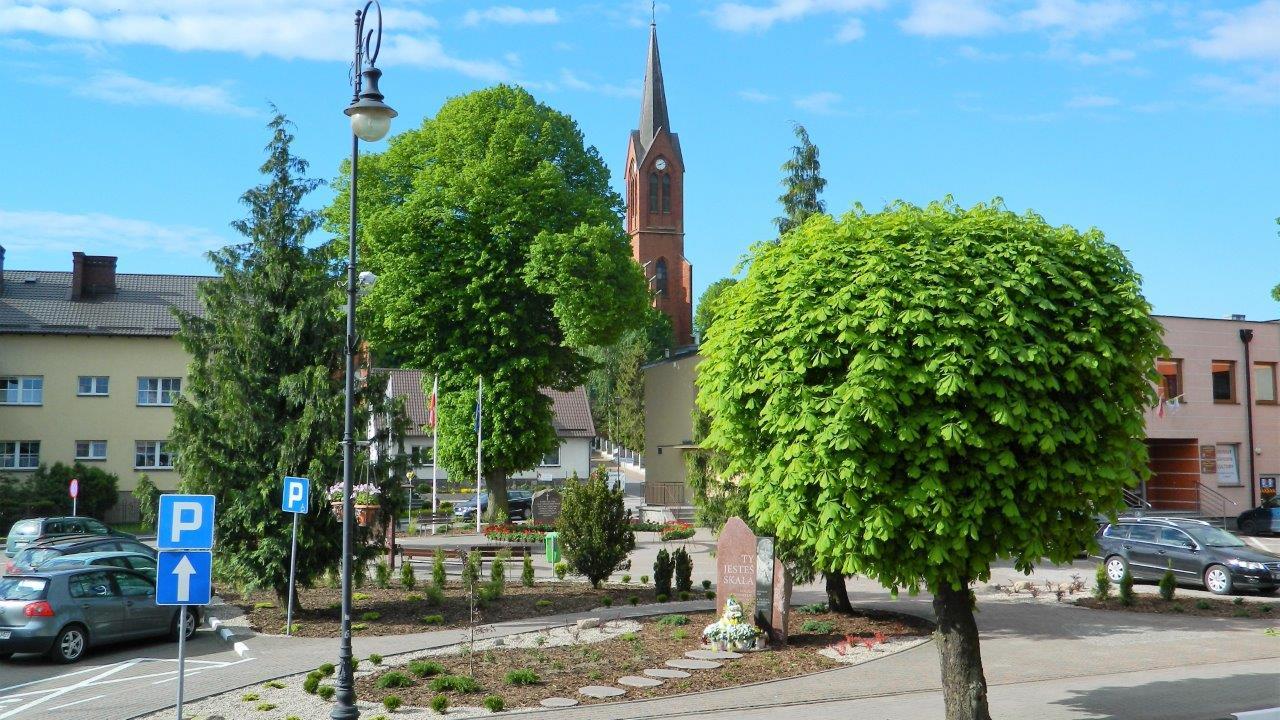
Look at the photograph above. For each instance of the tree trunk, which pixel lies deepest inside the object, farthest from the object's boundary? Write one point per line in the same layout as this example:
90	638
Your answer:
964	688
837	594
496	483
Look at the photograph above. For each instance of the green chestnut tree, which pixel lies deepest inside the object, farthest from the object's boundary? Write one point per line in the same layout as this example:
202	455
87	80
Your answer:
500	254
916	393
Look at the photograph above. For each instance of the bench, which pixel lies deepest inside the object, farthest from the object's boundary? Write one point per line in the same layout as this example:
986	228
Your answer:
458	555
425	520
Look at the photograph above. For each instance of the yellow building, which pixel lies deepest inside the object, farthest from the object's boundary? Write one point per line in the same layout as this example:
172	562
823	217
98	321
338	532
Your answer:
89	368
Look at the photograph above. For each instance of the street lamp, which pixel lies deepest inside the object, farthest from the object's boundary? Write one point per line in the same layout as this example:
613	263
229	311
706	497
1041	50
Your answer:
370	121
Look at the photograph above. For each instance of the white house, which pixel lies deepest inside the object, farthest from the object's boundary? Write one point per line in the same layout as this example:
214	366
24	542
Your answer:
571	418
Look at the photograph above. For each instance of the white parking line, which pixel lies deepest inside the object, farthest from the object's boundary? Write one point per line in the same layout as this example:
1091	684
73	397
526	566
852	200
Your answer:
77	702
59	693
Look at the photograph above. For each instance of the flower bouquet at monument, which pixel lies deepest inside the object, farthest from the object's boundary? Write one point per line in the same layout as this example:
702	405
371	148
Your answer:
730	632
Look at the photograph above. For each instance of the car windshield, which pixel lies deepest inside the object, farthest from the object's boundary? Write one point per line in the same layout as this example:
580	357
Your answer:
1213	537
26	527
34	556
63	562
20	588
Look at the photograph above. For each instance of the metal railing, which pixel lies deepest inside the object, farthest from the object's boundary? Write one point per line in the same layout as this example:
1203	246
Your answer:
1217	501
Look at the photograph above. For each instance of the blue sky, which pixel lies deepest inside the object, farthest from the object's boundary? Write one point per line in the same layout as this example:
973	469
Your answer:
133	126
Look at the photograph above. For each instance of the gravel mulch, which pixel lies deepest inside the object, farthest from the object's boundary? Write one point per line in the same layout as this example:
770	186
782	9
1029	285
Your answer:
1200	607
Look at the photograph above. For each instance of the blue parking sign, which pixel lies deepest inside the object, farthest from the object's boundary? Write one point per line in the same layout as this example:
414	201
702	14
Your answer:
296	495
185	522
184	577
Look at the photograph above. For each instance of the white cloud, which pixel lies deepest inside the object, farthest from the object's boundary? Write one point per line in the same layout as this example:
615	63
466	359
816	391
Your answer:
755	96
1086	102
738	17
32	230
1114	55
509	15
289	29
970	52
1262	89
1251	33
850	31
1075	16
958	18
122	89
822	103
573	82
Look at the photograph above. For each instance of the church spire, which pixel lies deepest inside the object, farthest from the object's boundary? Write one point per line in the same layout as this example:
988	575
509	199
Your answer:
653	103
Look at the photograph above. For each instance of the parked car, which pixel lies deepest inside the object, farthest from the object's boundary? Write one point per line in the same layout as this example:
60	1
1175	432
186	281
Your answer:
519	504
38	553
143	563
1263	519
64	612
25	532
1196	551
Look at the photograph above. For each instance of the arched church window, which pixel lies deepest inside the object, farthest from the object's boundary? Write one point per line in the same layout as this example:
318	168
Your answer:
653	192
666	193
660	277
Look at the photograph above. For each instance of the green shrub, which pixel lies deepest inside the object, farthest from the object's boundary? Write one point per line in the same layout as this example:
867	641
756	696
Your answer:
326	692
471	570
626	579
711	594
661	598
250	697
435	596
266	706
263	605
542	604
673	620
644	579
684	595
437	569
335	606
561	569
606	601
413	597
357	627
634	599
1240	612
498	572
431	619
357	597
684	570
439	704
426	668
1126	588
311	683
818	627
1238	601
371	616
1178	609
408	580
629	637
274	684
1102	583
1168	585
706	584
526	572
495	703
680	634
813	609
1203	605
375	658
326	669
291	629
663	568
392	703
148	497
382	575
455	683
595	527
524	676
487	594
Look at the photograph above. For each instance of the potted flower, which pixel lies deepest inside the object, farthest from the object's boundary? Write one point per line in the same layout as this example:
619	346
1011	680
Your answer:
730	632
366	499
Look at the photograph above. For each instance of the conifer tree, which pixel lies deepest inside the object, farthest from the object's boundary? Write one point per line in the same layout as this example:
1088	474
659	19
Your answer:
803	184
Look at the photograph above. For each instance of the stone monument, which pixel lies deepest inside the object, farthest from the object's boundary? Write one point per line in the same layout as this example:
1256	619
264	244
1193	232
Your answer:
546	507
747	570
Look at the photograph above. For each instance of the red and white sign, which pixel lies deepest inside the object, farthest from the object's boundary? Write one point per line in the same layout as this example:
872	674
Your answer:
75	488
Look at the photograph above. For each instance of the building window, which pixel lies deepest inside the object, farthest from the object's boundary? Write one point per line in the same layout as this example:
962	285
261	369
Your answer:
92	385
1264	383
152	455
1170	371
158	391
421	455
1228	467
22	390
20	455
91	449
660	277
1224	381
653	192
551	459
666	193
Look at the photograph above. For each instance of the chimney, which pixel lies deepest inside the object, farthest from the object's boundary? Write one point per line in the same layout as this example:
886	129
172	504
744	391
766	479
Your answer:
92	275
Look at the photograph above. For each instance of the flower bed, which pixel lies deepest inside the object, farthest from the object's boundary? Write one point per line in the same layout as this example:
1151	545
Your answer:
677	531
518	533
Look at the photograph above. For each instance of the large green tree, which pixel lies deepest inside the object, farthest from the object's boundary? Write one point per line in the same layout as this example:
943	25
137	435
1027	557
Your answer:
501	255
802	184
264	390
916	393
615	385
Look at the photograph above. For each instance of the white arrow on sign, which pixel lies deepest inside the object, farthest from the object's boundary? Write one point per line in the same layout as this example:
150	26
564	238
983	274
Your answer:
184	570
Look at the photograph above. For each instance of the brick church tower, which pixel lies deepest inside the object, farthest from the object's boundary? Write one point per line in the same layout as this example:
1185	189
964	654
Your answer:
655	203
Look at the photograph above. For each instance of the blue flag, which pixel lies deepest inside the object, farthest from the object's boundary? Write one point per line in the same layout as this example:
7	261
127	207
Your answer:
477	414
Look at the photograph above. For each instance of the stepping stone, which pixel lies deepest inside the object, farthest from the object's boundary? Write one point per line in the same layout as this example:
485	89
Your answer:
639	682
686	664
712	655
666	673
559	702
600	692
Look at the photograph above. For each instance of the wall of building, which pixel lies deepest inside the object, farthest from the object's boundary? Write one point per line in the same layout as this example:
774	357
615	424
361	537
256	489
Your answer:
64	417
669	394
575	457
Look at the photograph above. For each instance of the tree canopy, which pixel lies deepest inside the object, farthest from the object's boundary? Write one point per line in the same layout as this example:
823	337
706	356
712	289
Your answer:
803	184
500	254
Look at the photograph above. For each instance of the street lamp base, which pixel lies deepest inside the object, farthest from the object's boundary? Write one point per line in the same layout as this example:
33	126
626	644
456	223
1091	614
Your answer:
341	712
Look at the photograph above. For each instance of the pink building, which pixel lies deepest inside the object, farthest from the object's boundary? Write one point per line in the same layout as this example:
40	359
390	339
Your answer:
1215	439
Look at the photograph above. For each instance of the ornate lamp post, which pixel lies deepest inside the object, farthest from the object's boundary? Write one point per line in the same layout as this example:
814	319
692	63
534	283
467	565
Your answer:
370	121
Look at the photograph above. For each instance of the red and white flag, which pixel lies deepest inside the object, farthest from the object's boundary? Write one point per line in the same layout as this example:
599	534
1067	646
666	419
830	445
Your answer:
431	403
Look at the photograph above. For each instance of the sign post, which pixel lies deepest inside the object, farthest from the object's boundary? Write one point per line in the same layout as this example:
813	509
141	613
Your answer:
74	491
184	565
295	499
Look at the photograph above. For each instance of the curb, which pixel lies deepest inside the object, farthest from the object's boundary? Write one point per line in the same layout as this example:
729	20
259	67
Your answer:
225	632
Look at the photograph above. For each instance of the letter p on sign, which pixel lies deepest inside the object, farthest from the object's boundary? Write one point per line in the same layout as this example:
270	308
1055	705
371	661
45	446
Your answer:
296	494
186	522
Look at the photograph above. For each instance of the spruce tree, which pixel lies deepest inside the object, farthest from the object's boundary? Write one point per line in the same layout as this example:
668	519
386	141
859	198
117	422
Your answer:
264	394
803	184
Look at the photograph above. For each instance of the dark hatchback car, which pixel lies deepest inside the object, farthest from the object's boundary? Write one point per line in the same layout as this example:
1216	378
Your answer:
25	532
1196	551
43	551
64	612
1263	519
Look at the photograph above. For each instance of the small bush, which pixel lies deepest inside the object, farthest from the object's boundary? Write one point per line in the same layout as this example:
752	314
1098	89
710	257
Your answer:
1126	588
375	658
357	627
382	575
524	676
326	669
661	598
437	569
629	637
326	692
1203	605
1178	609
266	706
312	683
663	569
706	584
526	572
455	683
435	596
1240	612
426	668
357	597
408	580
634	599
1265	608
1102	583
673	620
626	578
1168	585
250	697
1238	601
684	570
644	579
335	606
440	704
543	604
680	634
413	597
431	619
291	629
561	569
371	616
594	526
274	684
711	594
684	595
495	703
818	627
498	573
606	601
392	702
263	605
813	609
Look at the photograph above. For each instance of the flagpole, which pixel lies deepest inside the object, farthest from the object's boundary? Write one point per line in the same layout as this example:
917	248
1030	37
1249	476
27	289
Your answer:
435	448
479	457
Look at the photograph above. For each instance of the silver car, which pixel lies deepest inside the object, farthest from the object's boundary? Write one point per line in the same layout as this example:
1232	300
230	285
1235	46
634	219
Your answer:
141	562
62	613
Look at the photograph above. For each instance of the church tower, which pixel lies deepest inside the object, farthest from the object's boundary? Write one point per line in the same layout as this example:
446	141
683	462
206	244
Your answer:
655	203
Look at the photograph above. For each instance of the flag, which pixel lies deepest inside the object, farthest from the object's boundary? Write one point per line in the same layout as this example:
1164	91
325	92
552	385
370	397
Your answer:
478	413
431	403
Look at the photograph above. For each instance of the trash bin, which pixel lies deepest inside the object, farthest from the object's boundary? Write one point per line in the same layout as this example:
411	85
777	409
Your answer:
553	547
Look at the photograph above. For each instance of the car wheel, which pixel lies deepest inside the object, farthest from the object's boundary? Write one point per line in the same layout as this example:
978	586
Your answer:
1268	591
70	644
191	625
1217	580
1246	528
1116	568
5	656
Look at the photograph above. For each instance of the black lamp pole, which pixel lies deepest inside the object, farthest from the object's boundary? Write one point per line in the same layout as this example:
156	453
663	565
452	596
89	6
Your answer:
370	120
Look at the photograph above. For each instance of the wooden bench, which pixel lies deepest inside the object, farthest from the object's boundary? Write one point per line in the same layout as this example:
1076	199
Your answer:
458	555
424	521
